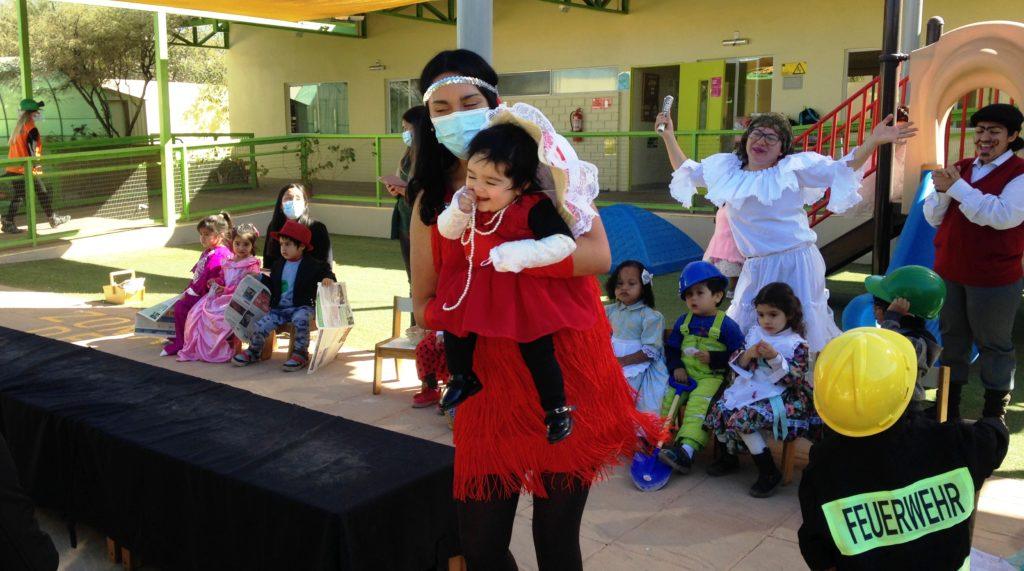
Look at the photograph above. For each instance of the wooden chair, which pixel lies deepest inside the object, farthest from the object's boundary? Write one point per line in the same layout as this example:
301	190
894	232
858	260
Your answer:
396	347
938	378
271	345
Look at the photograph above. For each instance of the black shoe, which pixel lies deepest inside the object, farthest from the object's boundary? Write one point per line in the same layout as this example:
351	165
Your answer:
559	423
769	476
10	227
725	463
995	404
677	458
458	389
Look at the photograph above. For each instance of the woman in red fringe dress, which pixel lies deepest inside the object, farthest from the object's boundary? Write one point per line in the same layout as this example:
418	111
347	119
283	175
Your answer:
501	448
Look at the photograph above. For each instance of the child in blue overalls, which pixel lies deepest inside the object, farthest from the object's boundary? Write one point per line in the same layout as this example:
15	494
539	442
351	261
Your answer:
699	347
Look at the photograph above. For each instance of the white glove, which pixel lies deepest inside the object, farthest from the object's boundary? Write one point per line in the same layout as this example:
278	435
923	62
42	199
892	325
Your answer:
453	220
520	254
465	198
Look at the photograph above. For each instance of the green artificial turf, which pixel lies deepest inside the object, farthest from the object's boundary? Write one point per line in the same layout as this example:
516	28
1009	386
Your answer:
373	273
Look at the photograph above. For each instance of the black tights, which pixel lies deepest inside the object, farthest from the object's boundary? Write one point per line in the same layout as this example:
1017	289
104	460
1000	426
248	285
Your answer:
485	528
18	197
539	356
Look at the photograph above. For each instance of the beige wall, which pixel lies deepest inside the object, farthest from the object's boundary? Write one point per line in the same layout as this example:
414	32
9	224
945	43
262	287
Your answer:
531	35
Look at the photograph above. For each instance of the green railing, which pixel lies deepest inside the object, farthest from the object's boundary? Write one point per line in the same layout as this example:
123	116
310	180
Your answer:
116	185
119	183
339	166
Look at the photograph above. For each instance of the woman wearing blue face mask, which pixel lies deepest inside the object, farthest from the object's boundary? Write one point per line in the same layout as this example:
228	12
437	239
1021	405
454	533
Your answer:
293	204
403	209
501	447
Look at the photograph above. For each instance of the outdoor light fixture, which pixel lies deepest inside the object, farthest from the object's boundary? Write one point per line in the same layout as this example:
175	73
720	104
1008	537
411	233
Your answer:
736	40
377	66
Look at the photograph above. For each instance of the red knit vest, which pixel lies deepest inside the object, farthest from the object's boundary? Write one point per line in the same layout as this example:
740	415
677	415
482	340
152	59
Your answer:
975	255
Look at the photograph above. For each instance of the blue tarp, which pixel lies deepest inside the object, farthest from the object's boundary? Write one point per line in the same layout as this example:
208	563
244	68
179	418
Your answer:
637	234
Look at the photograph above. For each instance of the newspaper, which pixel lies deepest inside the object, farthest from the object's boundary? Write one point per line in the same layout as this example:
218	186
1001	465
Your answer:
248	304
155	321
334	319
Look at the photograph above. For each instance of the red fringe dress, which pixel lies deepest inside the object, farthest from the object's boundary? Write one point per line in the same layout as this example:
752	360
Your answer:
501	446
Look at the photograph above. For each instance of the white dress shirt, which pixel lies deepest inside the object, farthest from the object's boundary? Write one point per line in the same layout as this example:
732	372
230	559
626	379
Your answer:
1001	212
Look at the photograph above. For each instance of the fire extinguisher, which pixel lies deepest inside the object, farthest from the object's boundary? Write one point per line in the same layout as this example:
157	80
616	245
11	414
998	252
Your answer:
576	123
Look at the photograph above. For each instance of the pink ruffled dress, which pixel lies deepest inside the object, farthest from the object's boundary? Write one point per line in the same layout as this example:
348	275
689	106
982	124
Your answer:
722	250
207	334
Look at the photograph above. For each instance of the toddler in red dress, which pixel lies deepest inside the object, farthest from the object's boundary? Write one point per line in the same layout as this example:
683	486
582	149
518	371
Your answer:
507	224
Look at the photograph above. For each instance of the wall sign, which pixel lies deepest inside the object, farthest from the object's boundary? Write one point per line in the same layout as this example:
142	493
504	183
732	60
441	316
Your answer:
716	87
794	68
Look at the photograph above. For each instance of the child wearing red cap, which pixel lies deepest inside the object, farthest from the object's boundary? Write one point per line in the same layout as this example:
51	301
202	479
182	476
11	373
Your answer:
292	282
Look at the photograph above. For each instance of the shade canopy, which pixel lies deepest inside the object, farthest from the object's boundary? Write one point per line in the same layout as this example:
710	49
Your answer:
283	10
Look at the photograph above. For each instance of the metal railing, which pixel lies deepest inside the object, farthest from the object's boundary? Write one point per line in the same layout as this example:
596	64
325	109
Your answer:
851	121
117	186
118	180
348	168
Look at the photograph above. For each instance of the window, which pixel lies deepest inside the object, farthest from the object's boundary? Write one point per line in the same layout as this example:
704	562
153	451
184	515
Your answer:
402	94
318	107
529	83
584	80
862	66
747	88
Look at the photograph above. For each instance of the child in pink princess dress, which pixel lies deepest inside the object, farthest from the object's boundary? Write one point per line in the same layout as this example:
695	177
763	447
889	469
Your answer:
208	336
213	230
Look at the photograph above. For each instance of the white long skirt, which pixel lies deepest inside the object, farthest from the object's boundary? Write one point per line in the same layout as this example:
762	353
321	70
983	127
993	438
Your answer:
803	269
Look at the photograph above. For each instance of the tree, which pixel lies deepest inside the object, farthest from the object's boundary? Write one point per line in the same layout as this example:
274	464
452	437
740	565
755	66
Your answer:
85	47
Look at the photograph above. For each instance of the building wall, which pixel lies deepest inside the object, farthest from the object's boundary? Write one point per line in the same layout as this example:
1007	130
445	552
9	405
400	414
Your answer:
530	35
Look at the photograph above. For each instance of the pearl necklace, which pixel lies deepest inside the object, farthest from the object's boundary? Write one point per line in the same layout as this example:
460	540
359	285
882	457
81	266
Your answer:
468	238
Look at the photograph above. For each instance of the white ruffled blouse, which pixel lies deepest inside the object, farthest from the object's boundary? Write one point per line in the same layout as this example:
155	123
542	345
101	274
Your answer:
766	207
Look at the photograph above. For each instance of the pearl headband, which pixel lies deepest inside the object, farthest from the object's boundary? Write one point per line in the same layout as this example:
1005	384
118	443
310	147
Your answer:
456	80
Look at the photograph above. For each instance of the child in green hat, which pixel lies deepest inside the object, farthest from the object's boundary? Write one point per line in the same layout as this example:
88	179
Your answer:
911	295
25	141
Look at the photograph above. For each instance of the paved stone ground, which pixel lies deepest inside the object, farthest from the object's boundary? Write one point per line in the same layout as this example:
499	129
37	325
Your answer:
696	522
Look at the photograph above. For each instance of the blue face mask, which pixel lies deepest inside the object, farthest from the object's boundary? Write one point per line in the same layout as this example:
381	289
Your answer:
293	209
407	138
456	130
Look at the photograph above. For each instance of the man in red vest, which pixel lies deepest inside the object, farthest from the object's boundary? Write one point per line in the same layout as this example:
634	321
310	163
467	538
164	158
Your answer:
978	208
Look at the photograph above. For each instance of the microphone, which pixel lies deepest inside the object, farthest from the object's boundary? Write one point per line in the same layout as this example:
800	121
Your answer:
666	106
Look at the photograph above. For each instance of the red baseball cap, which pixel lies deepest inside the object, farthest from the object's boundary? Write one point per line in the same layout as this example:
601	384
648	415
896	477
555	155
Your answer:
296	231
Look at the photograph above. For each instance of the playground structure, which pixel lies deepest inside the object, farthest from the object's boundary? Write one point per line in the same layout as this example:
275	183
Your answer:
986	55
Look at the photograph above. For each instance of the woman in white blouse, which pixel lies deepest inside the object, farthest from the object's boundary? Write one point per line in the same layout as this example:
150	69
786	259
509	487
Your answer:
766	189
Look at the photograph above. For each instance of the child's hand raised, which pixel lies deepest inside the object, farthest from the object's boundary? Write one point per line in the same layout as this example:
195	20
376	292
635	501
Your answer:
466	199
900	306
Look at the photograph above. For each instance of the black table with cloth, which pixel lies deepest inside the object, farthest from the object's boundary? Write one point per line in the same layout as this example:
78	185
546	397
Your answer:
193	474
